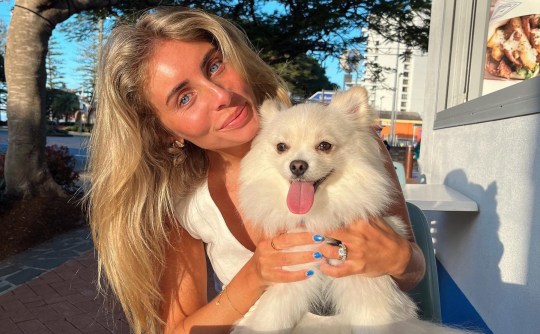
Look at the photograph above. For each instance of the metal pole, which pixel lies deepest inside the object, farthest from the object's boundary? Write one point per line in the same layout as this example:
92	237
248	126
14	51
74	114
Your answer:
394	103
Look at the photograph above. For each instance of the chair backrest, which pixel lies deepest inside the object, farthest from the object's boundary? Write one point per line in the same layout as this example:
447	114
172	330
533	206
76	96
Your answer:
400	171
426	293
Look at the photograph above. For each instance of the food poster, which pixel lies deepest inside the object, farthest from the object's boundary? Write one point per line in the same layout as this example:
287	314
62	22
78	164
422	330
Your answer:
513	44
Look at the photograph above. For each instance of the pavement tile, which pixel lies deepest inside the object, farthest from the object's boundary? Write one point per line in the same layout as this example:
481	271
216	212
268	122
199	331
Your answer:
87	324
25	293
6	299
46	313
9	327
33	327
5	287
45	291
9	268
89	306
18	317
62	326
23	276
36	303
14	306
66	308
50	277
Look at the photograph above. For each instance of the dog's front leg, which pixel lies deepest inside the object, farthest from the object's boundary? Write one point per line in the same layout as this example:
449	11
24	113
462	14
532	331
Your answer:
279	309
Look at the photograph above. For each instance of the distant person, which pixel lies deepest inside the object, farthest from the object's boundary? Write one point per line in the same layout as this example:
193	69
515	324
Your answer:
385	142
416	151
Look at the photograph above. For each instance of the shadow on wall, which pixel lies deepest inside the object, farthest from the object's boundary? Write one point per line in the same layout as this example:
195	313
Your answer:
468	244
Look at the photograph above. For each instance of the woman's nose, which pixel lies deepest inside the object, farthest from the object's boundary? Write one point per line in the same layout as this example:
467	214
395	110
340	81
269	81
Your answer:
220	97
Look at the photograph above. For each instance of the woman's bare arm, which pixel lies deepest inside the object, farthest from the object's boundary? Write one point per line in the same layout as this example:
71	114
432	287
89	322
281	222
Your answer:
185	308
415	267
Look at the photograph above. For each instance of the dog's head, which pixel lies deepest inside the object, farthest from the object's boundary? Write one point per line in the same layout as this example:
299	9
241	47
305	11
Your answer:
309	155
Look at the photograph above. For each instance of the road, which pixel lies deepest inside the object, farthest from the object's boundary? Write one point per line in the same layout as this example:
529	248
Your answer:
76	144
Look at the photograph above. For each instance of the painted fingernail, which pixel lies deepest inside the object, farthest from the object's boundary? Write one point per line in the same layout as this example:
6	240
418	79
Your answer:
309	273
317	255
318	238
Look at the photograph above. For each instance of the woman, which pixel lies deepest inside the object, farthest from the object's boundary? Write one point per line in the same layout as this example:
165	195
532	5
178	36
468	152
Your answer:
177	109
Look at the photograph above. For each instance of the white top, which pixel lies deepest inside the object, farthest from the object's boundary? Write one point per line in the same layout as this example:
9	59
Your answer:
438	197
200	216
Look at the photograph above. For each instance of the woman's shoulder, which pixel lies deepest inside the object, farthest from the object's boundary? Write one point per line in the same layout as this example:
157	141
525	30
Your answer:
193	211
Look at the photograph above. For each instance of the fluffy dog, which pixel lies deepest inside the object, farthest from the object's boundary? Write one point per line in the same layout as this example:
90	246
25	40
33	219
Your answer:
315	167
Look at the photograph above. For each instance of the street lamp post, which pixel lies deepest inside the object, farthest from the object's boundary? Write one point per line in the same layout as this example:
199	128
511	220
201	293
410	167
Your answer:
394	104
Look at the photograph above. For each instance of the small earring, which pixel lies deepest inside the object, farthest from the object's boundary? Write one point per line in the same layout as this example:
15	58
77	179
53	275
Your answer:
178	144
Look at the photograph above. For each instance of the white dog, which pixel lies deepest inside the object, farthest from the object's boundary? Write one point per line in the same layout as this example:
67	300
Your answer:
315	167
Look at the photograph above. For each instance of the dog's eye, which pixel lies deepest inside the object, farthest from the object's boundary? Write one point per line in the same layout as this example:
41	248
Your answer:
324	146
281	147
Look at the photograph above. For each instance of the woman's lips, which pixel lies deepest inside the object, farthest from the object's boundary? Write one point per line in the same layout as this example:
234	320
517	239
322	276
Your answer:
237	119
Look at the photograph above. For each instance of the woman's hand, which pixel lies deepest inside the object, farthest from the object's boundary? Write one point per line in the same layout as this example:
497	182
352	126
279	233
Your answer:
272	254
373	249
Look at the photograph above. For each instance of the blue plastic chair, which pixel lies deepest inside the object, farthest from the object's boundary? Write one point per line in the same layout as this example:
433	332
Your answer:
426	293
400	171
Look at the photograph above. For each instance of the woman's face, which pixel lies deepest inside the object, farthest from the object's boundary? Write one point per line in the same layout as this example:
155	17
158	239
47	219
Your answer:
200	97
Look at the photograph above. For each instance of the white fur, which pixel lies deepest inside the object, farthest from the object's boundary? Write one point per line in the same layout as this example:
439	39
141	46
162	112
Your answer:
357	187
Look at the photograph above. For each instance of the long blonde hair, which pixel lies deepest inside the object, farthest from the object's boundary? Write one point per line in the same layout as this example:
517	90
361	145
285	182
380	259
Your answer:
134	181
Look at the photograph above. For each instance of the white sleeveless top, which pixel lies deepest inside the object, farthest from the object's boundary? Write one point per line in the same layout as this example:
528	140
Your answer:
199	215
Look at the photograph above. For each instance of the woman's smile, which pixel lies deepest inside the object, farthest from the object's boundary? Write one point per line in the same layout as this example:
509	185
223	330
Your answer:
237	119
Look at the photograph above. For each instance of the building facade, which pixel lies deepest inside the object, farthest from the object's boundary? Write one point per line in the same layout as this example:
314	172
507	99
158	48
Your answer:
399	89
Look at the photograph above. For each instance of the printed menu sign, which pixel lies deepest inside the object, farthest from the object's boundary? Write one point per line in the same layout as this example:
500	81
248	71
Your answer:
513	44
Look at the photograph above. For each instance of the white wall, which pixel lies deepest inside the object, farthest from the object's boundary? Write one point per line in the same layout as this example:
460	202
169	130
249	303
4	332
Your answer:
493	255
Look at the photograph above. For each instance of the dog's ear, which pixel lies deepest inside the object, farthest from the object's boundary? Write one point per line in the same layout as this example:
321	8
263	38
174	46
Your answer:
354	103
355	100
270	108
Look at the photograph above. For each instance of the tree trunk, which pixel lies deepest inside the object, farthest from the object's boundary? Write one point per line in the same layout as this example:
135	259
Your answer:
32	22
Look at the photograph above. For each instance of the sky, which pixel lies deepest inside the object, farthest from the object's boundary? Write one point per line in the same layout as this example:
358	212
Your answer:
71	52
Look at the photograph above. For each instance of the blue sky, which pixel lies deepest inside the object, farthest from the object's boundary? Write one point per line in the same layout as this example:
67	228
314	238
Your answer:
71	53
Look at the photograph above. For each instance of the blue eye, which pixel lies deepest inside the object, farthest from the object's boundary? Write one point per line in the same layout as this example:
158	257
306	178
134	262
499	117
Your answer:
214	67
184	100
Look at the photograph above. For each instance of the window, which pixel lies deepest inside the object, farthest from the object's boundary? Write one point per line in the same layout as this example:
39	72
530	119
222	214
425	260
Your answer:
461	52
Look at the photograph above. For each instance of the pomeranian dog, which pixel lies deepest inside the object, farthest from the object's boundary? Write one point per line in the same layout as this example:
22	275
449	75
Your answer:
316	167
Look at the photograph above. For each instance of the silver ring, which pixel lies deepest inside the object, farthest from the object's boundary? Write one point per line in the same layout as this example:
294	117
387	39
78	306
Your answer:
342	252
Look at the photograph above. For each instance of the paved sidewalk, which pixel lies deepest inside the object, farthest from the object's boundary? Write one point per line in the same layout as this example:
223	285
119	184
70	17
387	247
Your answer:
52	289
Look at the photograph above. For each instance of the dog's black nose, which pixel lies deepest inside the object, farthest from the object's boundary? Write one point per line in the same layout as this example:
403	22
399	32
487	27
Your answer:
298	167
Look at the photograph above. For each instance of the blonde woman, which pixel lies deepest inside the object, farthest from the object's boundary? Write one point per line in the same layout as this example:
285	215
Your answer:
177	96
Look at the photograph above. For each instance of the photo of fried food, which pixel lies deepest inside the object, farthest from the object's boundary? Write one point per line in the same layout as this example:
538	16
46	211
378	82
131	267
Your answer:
513	50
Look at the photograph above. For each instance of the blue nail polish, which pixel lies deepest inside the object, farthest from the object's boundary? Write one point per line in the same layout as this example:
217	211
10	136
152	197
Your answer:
318	238
309	273
317	255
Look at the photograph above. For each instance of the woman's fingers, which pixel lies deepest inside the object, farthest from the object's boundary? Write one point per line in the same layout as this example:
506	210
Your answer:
288	240
288	257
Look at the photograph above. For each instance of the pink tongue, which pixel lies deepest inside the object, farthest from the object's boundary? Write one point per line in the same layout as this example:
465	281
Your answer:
300	197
